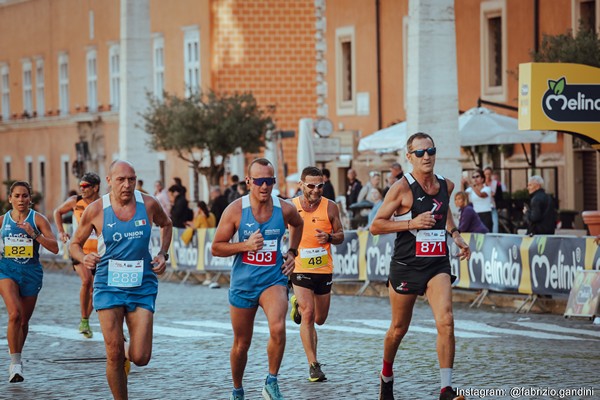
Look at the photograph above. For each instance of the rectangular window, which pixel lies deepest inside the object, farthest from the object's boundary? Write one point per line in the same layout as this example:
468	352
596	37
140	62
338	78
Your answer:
7	172
5	87
27	89
586	13
159	67
345	71
115	77
493	50
29	167
92	81
66	172
63	83
42	181
39	88
191	55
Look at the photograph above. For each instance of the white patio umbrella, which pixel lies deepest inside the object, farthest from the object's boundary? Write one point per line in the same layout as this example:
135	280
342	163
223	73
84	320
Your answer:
477	126
480	126
305	151
271	152
386	140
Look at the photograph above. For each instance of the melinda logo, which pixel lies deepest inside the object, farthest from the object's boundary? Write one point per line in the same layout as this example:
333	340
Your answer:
571	103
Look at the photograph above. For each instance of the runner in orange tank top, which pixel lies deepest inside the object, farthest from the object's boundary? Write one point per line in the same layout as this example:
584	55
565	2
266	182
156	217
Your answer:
90	188
313	273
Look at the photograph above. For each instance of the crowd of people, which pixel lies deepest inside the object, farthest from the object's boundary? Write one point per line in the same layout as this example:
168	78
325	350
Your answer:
110	253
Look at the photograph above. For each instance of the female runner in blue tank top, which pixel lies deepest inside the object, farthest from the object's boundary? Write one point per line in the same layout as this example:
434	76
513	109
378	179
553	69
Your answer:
23	231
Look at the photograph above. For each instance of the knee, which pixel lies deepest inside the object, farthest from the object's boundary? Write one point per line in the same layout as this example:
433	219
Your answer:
87	283
445	324
308	315
241	346
397	332
320	319
277	331
15	317
140	359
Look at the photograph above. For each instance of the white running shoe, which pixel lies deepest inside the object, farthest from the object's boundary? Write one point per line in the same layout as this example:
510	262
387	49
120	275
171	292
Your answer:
16	373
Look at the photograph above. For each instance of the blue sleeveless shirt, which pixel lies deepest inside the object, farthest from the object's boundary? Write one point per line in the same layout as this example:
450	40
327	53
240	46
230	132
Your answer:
258	269
19	248
124	250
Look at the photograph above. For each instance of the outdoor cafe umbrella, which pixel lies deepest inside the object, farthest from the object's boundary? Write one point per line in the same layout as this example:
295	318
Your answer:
477	126
305	151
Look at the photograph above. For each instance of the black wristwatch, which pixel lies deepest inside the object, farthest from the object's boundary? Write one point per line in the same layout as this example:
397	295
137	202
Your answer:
293	251
329	238
455	229
165	254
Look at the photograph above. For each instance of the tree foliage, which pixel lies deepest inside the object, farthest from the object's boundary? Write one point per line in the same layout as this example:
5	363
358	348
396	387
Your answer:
583	48
205	128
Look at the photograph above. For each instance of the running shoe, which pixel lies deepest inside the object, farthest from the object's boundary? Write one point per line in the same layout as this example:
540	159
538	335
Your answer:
271	391
15	373
236	397
84	328
315	373
448	393
295	314
386	390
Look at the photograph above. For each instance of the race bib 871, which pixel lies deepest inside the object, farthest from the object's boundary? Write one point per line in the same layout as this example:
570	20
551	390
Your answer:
431	243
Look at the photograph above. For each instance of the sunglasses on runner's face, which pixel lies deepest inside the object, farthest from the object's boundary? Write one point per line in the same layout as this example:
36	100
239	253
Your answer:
420	153
476	176
84	185
312	186
261	181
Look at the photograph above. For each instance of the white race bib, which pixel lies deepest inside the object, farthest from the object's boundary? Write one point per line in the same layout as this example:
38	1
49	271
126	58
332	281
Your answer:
125	273
18	247
431	243
314	258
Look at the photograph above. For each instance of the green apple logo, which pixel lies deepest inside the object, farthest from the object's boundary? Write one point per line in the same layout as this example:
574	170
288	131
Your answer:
557	87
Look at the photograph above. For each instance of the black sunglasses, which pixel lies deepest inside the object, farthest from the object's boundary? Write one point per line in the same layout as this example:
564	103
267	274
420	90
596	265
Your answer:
476	176
261	181
420	153
312	186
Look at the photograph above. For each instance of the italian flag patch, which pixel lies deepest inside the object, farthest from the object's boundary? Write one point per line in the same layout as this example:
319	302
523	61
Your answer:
140	222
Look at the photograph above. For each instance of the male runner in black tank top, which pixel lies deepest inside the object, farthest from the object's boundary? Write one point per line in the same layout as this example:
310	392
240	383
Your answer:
417	209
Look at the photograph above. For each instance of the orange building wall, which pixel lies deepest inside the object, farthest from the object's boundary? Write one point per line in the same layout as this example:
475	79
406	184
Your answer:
268	47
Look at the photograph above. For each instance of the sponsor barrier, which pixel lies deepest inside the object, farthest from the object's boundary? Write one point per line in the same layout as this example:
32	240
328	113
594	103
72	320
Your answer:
539	265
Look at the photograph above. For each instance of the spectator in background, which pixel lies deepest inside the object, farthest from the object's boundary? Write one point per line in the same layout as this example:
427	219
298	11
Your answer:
231	191
496	189
161	194
140	186
242	189
204	218
177	181
377	196
366	191
180	211
480	196
396	170
328	191
354	187
468	220
541	214
218	202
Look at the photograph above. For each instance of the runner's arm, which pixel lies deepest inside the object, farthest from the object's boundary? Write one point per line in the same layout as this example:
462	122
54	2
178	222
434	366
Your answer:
337	234
61	210
47	238
221	246
393	201
83	232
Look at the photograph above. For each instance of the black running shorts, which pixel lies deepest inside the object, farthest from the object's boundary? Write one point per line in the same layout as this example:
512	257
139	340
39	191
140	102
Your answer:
318	283
407	279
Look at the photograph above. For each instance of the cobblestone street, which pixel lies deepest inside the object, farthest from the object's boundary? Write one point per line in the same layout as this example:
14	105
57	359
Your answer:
495	349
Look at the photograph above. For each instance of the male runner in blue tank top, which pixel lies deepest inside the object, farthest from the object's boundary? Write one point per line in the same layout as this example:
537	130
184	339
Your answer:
125	284
417	208
259	275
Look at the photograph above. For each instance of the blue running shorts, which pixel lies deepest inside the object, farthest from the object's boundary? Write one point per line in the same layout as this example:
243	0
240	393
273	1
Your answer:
28	277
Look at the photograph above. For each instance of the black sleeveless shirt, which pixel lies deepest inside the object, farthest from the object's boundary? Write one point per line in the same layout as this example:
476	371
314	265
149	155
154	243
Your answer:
406	241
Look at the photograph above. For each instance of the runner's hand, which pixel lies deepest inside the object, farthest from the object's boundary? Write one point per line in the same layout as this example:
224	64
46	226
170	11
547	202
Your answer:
288	264
423	221
159	264
255	241
321	236
90	260
64	236
465	251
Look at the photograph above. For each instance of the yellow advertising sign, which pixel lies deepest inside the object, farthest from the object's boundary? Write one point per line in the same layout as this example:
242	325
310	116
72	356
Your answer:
560	96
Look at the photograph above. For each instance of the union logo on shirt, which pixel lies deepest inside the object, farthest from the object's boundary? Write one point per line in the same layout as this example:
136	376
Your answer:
140	222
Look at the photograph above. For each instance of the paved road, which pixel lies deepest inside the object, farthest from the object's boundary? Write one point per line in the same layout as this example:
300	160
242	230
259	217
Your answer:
495	350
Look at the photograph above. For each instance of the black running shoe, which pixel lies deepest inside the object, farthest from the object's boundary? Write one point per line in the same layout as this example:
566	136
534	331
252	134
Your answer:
386	390
448	393
315	373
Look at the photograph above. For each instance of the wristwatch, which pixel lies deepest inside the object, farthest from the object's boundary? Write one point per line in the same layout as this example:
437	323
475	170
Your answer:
293	251
36	234
455	229
165	254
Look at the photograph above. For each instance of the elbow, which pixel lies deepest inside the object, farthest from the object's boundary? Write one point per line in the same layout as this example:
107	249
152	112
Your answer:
374	229
215	251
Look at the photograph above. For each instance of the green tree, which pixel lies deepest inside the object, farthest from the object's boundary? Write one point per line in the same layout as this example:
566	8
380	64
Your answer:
583	48
205	128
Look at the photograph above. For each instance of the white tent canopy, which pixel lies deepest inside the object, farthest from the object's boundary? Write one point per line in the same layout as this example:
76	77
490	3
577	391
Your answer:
477	126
